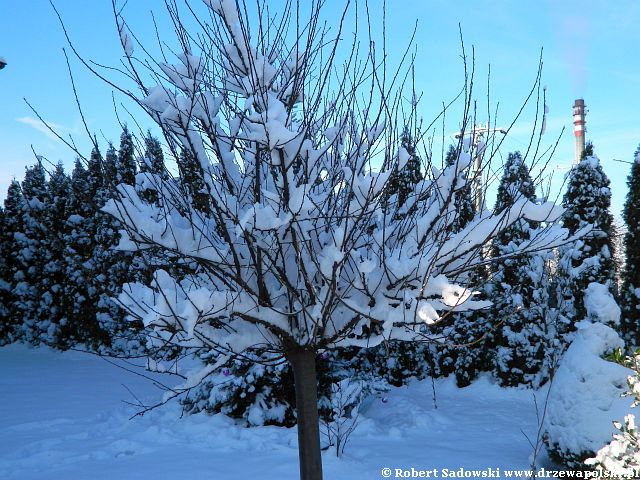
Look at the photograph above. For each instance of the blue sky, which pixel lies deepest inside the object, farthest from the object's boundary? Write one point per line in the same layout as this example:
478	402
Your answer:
590	50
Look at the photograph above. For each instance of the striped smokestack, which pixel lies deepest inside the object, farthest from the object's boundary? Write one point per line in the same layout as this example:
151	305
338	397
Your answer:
579	127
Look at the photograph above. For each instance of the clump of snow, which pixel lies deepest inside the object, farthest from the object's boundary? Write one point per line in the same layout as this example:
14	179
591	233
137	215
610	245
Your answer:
600	304
125	39
225	8
592	161
427	313
585	397
403	157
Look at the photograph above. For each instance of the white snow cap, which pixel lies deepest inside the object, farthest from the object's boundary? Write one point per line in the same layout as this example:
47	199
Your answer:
601	305
403	157
125	39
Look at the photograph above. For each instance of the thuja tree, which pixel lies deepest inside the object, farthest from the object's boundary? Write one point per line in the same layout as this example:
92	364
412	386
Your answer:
590	259
519	289
12	223
397	361
630	294
463	348
32	254
296	255
5	286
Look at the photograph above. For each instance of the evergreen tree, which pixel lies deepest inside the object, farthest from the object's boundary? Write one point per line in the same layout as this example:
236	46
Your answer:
403	180
464	349
109	268
463	201
519	290
126	162
80	289
396	361
96	173
109	174
53	303
587	201
32	254
192	178
153	164
11	226
630	294
5	285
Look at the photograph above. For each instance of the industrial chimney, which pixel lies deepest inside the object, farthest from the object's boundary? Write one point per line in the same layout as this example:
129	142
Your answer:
579	127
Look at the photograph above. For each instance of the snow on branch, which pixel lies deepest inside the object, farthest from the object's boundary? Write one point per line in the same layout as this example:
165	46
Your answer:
299	246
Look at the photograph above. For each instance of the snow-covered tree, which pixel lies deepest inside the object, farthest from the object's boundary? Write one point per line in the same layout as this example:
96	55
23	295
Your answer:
585	396
153	166
126	160
110	268
32	254
11	224
81	287
397	361
5	279
192	181
590	259
464	348
402	181
519	289
464	198
296	255
630	293
54	303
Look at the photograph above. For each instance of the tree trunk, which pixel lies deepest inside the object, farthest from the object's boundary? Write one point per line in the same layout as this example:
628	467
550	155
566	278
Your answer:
303	363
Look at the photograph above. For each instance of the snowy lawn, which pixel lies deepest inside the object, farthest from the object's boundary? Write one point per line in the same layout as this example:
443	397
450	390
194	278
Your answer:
62	416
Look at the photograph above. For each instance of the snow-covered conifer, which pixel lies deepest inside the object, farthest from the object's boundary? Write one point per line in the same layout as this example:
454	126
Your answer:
590	259
53	307
11	225
153	166
519	290
464	351
126	160
5	279
402	181
630	292
399	361
108	170
82	288
465	207
192	179
32	254
111	267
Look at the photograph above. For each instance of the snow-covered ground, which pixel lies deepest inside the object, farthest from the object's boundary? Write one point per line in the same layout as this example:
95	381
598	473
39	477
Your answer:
62	416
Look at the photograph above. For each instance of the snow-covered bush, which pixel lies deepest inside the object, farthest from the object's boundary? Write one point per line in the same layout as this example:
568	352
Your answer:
347	397
255	393
621	457
259	392
585	397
